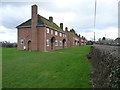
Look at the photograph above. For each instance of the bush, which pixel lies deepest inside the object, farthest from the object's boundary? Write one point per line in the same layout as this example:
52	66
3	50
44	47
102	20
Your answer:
105	61
6	44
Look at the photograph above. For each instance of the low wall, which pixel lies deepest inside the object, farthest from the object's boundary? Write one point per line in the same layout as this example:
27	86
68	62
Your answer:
105	61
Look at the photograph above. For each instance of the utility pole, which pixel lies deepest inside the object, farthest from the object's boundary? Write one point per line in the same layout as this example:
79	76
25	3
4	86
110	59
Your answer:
94	36
105	35
95	18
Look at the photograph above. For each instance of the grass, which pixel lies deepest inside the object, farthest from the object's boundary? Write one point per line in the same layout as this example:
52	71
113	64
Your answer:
65	68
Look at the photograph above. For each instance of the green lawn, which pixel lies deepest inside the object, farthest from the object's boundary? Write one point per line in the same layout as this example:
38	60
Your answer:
65	68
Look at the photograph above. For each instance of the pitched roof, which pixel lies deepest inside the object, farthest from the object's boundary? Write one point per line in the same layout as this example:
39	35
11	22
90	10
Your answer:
117	40
42	21
73	34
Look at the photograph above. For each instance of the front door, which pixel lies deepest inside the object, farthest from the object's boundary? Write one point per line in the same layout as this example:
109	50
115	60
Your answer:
51	45
29	45
63	44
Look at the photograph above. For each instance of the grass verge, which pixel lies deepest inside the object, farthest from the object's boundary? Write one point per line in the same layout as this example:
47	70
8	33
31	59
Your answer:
65	68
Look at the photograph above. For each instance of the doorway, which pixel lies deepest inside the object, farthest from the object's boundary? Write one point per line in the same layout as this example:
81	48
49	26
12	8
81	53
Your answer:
29	45
64	42
52	42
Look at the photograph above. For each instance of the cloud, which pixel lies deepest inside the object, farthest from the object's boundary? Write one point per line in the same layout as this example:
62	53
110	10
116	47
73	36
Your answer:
77	14
110	32
7	34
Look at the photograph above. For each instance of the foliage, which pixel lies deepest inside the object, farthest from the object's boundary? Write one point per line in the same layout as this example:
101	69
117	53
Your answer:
105	41
6	44
106	66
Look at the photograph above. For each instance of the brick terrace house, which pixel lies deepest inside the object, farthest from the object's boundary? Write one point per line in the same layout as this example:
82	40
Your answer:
41	34
73	40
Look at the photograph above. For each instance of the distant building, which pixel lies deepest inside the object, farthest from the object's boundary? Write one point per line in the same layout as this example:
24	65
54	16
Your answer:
41	34
117	41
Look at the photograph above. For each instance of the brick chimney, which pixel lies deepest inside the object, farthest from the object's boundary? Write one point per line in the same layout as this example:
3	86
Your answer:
66	29
61	26
51	19
34	17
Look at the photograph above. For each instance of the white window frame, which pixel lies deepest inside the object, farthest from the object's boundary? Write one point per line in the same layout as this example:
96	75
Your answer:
60	34
47	42
76	43
56	33
22	41
60	43
56	43
47	30
65	44
51	31
63	35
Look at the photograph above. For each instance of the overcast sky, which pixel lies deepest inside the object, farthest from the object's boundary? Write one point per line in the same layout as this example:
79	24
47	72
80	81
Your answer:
76	14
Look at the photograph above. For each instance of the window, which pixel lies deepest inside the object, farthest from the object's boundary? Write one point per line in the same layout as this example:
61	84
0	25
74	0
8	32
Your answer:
65	44
63	35
60	43
47	30
22	41
56	33
47	42
60	34
76	43
56	43
51	31
73	43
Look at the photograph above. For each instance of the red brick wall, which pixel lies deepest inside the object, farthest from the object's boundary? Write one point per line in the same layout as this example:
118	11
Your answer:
41	38
23	34
57	37
34	29
71	40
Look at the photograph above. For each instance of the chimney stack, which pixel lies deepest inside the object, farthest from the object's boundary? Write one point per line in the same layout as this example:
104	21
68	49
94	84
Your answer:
66	29
34	15
61	26
51	19
33	27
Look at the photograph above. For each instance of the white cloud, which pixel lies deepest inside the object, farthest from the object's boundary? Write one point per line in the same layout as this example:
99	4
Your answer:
77	14
110	32
7	34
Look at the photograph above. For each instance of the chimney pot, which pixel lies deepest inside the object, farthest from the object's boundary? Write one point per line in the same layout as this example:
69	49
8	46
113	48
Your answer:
51	19
61	26
66	29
